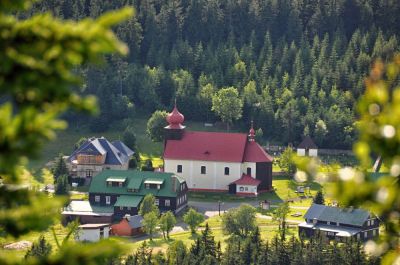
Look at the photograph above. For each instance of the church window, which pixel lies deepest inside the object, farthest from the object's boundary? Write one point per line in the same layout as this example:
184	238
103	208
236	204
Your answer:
249	171
203	170
179	168
226	170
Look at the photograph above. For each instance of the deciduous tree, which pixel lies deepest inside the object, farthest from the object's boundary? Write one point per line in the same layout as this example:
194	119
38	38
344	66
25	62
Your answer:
227	105
167	223
156	124
193	219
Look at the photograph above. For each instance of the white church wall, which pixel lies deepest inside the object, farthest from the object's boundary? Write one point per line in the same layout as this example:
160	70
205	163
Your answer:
246	189
251	165
213	179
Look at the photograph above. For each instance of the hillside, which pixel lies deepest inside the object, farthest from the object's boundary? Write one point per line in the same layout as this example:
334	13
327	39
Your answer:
299	65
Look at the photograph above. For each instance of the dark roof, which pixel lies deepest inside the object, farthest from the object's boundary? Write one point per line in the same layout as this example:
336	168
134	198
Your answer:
215	146
135	180
307	143
356	217
115	155
136	221
123	148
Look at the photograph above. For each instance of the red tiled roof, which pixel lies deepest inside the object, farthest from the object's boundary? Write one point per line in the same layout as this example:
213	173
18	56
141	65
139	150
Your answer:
207	146
247	180
255	153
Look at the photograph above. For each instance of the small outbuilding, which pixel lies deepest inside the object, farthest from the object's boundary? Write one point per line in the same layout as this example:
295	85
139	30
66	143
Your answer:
307	147
128	226
245	186
93	232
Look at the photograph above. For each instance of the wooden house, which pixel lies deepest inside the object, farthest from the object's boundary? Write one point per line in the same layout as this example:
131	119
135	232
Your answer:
128	226
116	193
96	155
340	224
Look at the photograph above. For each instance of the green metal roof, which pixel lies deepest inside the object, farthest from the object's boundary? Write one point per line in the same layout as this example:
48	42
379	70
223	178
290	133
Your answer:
134	180
128	201
134	183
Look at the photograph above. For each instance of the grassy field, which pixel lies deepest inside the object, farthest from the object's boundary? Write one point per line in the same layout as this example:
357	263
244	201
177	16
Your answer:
65	140
64	143
268	230
284	189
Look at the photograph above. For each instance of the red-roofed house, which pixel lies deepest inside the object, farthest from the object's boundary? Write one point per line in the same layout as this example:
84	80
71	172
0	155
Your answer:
211	161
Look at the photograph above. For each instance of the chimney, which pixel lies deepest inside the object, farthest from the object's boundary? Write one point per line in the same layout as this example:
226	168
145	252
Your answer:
173	183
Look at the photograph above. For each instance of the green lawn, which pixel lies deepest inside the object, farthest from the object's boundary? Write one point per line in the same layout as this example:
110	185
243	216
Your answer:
284	189
64	143
60	232
268	230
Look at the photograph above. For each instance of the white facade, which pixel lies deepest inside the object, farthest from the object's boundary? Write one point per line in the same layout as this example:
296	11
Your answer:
311	152
301	152
92	234
246	189
213	178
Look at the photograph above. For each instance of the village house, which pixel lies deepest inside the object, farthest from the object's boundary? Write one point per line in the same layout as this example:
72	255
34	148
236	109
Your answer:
128	226
95	155
216	161
116	193
339	224
307	147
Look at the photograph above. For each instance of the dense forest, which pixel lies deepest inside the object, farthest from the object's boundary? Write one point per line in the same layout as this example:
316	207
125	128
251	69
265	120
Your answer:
298	65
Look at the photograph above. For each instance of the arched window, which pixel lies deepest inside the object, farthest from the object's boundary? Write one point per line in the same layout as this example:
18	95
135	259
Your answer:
249	171
226	170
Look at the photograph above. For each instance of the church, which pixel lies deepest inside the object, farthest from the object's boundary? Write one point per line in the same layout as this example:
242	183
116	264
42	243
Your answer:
216	161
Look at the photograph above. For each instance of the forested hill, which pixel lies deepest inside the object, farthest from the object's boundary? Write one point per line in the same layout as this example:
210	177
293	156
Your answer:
298	65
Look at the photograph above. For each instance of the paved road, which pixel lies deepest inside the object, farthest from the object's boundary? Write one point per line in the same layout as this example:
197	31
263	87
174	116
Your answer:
204	207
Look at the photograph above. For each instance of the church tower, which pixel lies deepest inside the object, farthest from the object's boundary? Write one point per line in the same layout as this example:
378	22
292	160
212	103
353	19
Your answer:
175	129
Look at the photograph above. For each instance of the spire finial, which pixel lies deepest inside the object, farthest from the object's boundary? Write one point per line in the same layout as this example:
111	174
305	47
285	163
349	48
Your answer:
175	103
251	132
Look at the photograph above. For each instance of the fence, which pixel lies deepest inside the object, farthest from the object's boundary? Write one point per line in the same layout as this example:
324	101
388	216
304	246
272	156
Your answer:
276	150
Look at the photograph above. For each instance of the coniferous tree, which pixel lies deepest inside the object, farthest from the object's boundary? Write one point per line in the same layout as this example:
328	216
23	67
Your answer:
40	249
319	198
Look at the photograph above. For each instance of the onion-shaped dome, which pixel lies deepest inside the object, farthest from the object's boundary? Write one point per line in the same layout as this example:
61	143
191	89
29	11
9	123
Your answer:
175	117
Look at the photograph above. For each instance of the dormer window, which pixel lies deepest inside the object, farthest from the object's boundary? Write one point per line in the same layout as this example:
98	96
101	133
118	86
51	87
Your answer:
153	183
116	181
